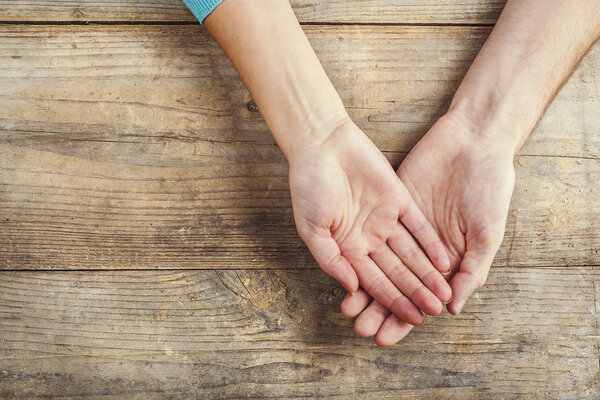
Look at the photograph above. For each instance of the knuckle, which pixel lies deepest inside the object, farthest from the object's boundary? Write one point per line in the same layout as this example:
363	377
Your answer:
412	252
330	265
404	308
419	295
397	304
433	245
413	294
374	284
398	272
429	278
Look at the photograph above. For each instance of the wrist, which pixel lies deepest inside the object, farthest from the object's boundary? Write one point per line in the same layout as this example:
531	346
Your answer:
478	135
489	119
309	134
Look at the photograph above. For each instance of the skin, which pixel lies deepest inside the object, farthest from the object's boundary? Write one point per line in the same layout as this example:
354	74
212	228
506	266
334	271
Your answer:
354	214
461	173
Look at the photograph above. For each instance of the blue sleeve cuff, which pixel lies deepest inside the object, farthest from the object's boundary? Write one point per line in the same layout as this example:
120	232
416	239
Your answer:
201	8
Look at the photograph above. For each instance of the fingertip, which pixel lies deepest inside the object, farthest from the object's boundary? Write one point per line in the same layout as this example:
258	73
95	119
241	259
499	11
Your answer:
353	305
463	285
345	275
428	302
440	288
346	309
455	307
384	341
392	331
364	330
436	309
416	319
327	253
369	322
351	286
353	283
408	312
445	293
442	261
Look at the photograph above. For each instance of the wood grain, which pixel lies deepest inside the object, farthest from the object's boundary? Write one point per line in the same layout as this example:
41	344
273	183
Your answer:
322	11
530	333
136	147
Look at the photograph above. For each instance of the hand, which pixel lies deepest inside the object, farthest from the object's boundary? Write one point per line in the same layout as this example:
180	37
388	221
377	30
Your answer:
463	184
347	205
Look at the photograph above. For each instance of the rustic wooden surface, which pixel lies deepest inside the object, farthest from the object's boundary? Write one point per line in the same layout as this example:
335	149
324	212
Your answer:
274	334
321	11
126	149
119	148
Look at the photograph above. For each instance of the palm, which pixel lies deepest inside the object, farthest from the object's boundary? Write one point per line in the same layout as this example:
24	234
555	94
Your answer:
464	189
360	200
347	201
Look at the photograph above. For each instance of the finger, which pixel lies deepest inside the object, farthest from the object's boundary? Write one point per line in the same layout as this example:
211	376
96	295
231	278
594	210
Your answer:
471	275
418	225
406	281
392	331
378	285
404	245
368	322
327	253
353	304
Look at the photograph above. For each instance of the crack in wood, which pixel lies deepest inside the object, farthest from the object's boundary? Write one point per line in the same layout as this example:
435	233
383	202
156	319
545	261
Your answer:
245	287
229	288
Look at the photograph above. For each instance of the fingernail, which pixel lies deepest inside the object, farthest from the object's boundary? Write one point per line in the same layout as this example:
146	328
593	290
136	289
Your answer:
449	301
460	305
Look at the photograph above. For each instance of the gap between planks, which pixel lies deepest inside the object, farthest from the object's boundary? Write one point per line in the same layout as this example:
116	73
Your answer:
493	267
185	23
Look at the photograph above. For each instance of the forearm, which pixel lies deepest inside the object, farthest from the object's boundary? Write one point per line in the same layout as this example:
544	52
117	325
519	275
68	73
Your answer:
530	53
268	48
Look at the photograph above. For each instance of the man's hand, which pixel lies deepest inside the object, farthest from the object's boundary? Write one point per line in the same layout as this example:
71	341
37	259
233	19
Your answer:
461	172
463	183
347	205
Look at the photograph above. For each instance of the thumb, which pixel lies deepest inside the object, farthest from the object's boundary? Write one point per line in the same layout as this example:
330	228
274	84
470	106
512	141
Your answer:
327	253
472	274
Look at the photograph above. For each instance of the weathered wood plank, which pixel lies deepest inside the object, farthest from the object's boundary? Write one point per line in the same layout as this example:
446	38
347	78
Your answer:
134	147
322	11
530	332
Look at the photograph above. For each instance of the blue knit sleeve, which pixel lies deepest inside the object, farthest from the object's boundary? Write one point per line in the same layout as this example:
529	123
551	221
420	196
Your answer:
201	8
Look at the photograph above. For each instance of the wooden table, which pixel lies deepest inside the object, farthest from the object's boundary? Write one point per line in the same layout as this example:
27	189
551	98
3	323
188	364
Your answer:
147	243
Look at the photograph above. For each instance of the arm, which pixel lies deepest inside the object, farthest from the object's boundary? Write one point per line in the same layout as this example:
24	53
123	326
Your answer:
346	198
267	46
530	53
461	172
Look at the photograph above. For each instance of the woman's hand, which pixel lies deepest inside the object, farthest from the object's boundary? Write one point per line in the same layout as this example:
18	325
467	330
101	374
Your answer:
358	220
347	199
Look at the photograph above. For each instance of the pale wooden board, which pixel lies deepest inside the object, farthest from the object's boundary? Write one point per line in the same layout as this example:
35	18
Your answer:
134	147
530	333
347	11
